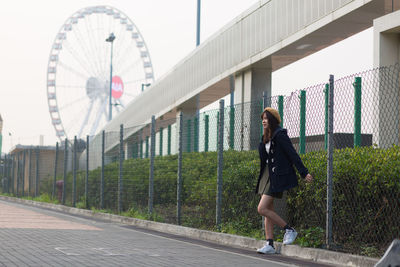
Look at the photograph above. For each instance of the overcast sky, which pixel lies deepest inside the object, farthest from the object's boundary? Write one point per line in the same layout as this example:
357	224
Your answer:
28	29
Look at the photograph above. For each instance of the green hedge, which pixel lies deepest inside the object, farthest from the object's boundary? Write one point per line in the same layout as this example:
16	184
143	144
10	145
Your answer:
366	198
366	194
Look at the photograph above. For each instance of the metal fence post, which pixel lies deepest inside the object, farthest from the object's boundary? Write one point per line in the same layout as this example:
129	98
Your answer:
302	139
65	169
103	140
189	136
357	111
37	172
196	134
9	163
280	108
206	130
326	91
196	126
141	144
232	127
74	174
330	164
87	174
179	181
161	141
232	112
147	147
4	188
29	173
18	172
55	173
152	152
12	173
121	161
220	163
8	173
169	140
23	173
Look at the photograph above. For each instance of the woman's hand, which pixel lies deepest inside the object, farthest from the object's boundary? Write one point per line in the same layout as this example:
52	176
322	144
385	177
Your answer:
308	178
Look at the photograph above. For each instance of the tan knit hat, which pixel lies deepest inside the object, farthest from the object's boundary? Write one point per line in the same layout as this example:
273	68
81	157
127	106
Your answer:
273	112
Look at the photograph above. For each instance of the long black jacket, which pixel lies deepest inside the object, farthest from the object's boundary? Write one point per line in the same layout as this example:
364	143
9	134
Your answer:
280	160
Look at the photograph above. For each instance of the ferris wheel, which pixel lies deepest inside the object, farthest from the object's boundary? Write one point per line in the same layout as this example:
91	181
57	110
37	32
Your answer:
95	45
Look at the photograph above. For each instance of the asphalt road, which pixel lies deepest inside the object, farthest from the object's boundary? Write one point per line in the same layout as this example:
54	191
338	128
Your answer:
31	236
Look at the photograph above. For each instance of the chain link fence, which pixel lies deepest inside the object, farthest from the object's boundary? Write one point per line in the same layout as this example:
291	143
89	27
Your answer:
200	170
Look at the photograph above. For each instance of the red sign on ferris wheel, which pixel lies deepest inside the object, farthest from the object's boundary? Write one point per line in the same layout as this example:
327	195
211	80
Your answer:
117	87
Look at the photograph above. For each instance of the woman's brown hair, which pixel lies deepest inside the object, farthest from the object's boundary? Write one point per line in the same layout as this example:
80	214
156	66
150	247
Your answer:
272	125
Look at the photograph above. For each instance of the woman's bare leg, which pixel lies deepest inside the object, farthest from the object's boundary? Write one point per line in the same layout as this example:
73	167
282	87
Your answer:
266	209
269	228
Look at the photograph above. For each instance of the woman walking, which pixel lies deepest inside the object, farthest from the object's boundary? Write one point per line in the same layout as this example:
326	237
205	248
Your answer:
277	157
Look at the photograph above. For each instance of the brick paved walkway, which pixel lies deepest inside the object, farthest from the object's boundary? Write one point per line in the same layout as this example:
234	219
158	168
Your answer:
32	236
14	217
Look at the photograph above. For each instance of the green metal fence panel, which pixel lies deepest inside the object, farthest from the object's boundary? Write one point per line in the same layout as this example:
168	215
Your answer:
357	111
189	136
147	147
196	134
231	127
169	139
161	141
206	131
280	107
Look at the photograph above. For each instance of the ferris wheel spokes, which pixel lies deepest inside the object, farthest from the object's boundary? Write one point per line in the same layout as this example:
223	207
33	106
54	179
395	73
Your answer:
73	71
81	60
72	103
92	52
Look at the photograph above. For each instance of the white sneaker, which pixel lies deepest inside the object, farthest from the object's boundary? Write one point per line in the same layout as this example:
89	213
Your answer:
289	237
266	249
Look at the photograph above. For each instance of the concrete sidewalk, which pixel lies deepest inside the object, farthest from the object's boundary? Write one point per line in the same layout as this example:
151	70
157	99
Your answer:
317	255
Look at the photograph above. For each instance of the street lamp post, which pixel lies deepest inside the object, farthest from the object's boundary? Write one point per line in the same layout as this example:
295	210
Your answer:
145	84
110	39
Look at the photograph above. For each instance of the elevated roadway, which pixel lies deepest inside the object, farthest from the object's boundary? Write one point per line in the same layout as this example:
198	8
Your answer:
241	56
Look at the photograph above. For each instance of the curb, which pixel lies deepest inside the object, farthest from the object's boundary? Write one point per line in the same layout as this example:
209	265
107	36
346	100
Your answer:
314	254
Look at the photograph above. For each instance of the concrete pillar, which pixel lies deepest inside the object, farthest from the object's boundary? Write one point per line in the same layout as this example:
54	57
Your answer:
387	98
157	149
249	88
128	150
189	110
